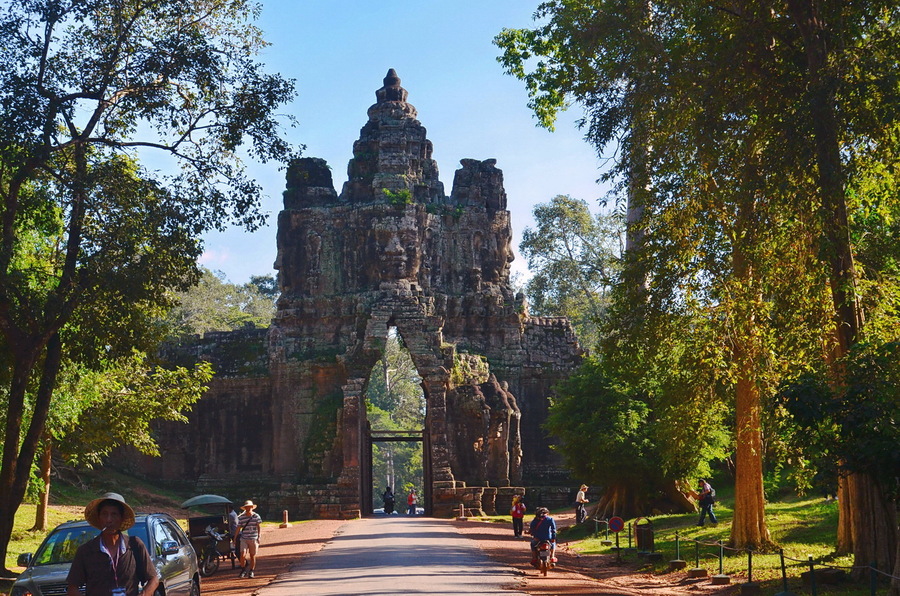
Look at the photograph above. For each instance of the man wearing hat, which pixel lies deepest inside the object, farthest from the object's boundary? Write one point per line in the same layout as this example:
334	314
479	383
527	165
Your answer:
580	500
112	564
248	530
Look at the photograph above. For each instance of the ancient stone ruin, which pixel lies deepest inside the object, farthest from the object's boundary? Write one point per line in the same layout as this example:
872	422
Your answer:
285	414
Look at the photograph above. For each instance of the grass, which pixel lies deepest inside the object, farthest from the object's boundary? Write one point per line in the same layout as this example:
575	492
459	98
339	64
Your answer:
802	527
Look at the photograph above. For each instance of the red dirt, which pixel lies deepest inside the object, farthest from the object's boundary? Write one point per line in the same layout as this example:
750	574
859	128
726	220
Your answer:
574	575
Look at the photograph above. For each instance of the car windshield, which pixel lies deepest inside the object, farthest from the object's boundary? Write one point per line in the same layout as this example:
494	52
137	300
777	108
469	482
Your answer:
60	546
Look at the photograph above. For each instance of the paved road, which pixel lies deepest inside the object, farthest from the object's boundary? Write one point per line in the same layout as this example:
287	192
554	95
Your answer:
399	555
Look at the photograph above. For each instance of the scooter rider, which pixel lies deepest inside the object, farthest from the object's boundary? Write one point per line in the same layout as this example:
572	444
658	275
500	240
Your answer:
543	527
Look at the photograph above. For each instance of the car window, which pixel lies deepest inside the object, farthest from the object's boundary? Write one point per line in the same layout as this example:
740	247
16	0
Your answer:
60	546
175	532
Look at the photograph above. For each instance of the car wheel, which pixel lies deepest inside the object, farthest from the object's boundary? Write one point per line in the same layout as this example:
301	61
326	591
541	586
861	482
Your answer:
195	587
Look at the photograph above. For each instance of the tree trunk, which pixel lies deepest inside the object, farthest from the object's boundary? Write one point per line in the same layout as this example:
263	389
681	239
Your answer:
845	518
40	515
748	528
874	524
17	462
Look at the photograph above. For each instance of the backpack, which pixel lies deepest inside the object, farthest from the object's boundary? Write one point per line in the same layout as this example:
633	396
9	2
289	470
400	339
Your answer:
712	494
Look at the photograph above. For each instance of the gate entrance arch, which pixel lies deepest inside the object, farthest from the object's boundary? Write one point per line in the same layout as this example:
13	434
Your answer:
394	436
285	417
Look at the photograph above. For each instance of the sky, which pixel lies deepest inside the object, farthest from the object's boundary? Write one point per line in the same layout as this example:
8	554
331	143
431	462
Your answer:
338	52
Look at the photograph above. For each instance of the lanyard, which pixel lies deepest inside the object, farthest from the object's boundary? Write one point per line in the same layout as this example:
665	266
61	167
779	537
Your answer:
114	561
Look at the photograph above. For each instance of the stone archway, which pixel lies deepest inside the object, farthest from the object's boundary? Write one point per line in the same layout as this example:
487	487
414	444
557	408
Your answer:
390	250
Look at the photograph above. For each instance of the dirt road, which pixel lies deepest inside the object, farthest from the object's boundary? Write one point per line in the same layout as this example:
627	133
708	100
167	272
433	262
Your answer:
575	575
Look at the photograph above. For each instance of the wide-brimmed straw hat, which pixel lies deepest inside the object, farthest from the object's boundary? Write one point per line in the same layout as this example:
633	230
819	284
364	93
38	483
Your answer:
92	511
584	487
248	503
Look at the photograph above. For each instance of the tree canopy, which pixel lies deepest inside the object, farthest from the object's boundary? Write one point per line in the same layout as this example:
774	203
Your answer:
574	257
758	141
92	244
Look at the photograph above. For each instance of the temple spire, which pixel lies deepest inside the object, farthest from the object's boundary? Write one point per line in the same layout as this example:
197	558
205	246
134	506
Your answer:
392	91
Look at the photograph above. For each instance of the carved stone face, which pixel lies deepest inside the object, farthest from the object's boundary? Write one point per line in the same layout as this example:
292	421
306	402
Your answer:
397	253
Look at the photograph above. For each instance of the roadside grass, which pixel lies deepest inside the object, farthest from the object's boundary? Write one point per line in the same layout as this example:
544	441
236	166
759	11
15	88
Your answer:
802	527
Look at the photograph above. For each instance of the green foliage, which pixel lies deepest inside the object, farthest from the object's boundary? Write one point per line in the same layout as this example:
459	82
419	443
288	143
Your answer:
396	387
575	259
398	198
113	407
855	424
469	368
612	433
92	244
214	304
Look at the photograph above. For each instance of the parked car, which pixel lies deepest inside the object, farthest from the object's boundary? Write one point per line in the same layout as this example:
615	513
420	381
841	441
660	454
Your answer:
171	552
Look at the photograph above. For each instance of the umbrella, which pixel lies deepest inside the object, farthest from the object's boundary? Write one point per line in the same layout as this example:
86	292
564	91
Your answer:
205	500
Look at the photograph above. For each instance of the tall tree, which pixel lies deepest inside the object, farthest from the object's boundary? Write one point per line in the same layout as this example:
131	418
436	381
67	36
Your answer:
84	84
574	256
215	304
743	93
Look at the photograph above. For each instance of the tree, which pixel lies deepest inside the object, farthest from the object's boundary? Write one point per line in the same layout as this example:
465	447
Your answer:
96	411
639	445
574	256
721	103
396	387
214	304
89	239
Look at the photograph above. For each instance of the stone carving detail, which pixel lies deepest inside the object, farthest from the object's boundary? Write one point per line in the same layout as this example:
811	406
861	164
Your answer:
392	250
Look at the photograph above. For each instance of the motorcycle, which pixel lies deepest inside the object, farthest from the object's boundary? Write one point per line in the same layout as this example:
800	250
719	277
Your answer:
209	561
545	556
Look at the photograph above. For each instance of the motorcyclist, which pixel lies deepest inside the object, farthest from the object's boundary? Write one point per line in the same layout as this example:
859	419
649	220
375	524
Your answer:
388	498
543	527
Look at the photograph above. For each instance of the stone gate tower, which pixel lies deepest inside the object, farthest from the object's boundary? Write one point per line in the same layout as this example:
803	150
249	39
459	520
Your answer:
391	250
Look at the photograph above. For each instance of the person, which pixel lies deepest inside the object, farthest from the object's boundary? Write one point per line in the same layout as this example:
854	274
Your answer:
518	515
232	520
707	498
232	528
388	498
411	501
580	500
542	527
248	531
112	563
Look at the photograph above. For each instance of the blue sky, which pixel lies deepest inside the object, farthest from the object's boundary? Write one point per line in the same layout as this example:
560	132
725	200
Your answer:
338	51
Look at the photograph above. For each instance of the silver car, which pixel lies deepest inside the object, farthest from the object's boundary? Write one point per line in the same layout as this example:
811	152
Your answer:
170	550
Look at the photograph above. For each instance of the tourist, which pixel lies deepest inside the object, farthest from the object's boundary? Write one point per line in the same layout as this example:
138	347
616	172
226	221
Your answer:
707	496
580	500
111	564
411	502
248	532
518	515
388	498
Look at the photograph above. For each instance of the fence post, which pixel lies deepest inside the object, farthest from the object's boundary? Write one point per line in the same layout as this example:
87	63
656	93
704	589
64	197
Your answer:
750	565
873	578
629	535
721	555
812	574
696	554
677	547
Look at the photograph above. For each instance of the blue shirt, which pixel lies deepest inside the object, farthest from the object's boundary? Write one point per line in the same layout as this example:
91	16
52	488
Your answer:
543	528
